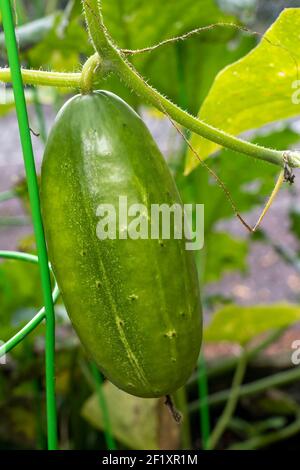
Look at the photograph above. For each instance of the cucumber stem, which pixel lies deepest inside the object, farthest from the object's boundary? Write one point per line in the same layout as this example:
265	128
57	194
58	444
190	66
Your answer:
44	78
173	410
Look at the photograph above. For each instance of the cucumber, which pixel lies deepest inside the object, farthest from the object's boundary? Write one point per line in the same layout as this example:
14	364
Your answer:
135	304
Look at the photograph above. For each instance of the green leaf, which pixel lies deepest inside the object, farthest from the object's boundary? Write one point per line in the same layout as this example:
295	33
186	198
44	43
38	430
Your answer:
257	89
193	65
241	324
135	422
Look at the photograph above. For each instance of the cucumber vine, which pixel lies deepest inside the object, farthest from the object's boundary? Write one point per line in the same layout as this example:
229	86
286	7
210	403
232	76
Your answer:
113	60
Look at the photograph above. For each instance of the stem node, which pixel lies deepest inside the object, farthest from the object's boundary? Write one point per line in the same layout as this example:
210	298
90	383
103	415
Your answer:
88	71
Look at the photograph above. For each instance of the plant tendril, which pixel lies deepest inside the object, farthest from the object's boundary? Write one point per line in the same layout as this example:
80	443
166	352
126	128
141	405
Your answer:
210	27
218	180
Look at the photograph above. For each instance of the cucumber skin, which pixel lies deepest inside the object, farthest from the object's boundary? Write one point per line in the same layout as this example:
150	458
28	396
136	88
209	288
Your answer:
135	304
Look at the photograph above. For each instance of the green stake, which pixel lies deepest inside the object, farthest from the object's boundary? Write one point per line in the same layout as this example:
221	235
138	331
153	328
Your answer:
13	58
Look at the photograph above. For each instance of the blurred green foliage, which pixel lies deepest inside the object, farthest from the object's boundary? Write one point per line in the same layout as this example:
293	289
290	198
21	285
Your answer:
242	324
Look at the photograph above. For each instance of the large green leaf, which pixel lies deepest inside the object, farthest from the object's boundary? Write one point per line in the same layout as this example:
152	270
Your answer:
241	324
193	66
257	89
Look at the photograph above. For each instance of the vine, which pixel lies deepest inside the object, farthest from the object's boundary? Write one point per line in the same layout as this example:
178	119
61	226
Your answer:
44	78
118	63
114	60
209	27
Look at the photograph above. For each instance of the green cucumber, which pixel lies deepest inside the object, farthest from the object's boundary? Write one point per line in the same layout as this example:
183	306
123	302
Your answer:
135	304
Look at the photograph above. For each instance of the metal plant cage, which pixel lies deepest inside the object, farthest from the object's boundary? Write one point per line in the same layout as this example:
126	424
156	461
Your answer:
50	297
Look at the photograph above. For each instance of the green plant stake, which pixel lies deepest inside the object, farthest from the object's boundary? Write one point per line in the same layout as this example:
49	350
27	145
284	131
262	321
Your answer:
13	58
